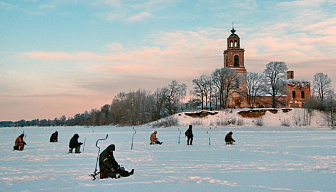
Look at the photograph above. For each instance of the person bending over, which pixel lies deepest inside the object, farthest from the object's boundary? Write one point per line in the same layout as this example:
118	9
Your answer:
154	139
228	139
109	167
19	143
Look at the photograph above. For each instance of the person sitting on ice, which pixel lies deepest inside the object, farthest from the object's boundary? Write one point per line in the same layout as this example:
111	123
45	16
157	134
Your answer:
228	139
19	143
109	167
74	144
54	137
154	139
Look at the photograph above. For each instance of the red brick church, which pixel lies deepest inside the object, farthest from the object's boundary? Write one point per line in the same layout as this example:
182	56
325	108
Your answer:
298	92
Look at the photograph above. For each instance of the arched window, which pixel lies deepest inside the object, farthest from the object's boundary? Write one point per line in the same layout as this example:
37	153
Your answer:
293	94
235	44
236	61
302	95
231	43
226	61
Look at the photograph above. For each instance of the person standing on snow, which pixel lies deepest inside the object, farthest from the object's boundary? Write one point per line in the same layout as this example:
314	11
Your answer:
189	135
109	167
19	143
54	137
154	139
74	144
228	139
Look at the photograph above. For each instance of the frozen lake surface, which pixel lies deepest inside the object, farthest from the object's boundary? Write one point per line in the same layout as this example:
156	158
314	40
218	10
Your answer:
263	159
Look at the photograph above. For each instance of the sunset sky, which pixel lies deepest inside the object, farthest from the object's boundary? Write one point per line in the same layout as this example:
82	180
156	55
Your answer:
62	57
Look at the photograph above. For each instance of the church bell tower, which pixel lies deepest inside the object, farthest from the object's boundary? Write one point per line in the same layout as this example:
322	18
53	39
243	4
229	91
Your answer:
234	60
234	55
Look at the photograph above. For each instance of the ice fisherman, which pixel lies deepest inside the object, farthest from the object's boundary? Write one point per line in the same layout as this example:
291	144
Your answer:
228	138
54	137
189	135
19	143
109	167
154	139
74	144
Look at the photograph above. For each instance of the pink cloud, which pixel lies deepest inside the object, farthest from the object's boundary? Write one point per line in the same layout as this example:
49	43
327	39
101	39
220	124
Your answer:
190	54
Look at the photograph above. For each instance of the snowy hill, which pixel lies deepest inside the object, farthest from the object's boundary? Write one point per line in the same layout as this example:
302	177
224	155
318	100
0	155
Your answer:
289	117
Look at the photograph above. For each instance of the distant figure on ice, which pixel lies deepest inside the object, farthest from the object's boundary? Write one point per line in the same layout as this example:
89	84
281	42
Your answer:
189	135
154	139
228	139
109	167
19	143
54	137
74	144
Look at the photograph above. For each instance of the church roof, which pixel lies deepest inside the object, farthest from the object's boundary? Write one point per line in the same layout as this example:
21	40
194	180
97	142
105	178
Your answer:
298	83
233	33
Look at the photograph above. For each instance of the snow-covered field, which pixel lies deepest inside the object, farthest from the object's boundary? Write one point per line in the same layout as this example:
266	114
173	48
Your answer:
267	158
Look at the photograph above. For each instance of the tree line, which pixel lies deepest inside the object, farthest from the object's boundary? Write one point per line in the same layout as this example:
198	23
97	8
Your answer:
132	108
209	92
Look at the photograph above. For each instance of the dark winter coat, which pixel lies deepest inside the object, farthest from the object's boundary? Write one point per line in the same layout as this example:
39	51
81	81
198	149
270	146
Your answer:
74	142
106	159
189	133
109	165
54	137
228	138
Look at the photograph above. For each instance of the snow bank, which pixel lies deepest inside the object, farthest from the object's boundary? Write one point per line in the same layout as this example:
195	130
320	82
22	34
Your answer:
292	117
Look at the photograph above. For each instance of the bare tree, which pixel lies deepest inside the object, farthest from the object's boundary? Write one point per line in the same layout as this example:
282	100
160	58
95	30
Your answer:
210	89
198	90
104	115
214	96
132	108
329	108
93	120
321	85
225	80
203	89
254	84
176	93
218	81
275	76
332	108
160	100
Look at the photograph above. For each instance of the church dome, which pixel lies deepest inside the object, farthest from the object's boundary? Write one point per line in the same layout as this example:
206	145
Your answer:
233	35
